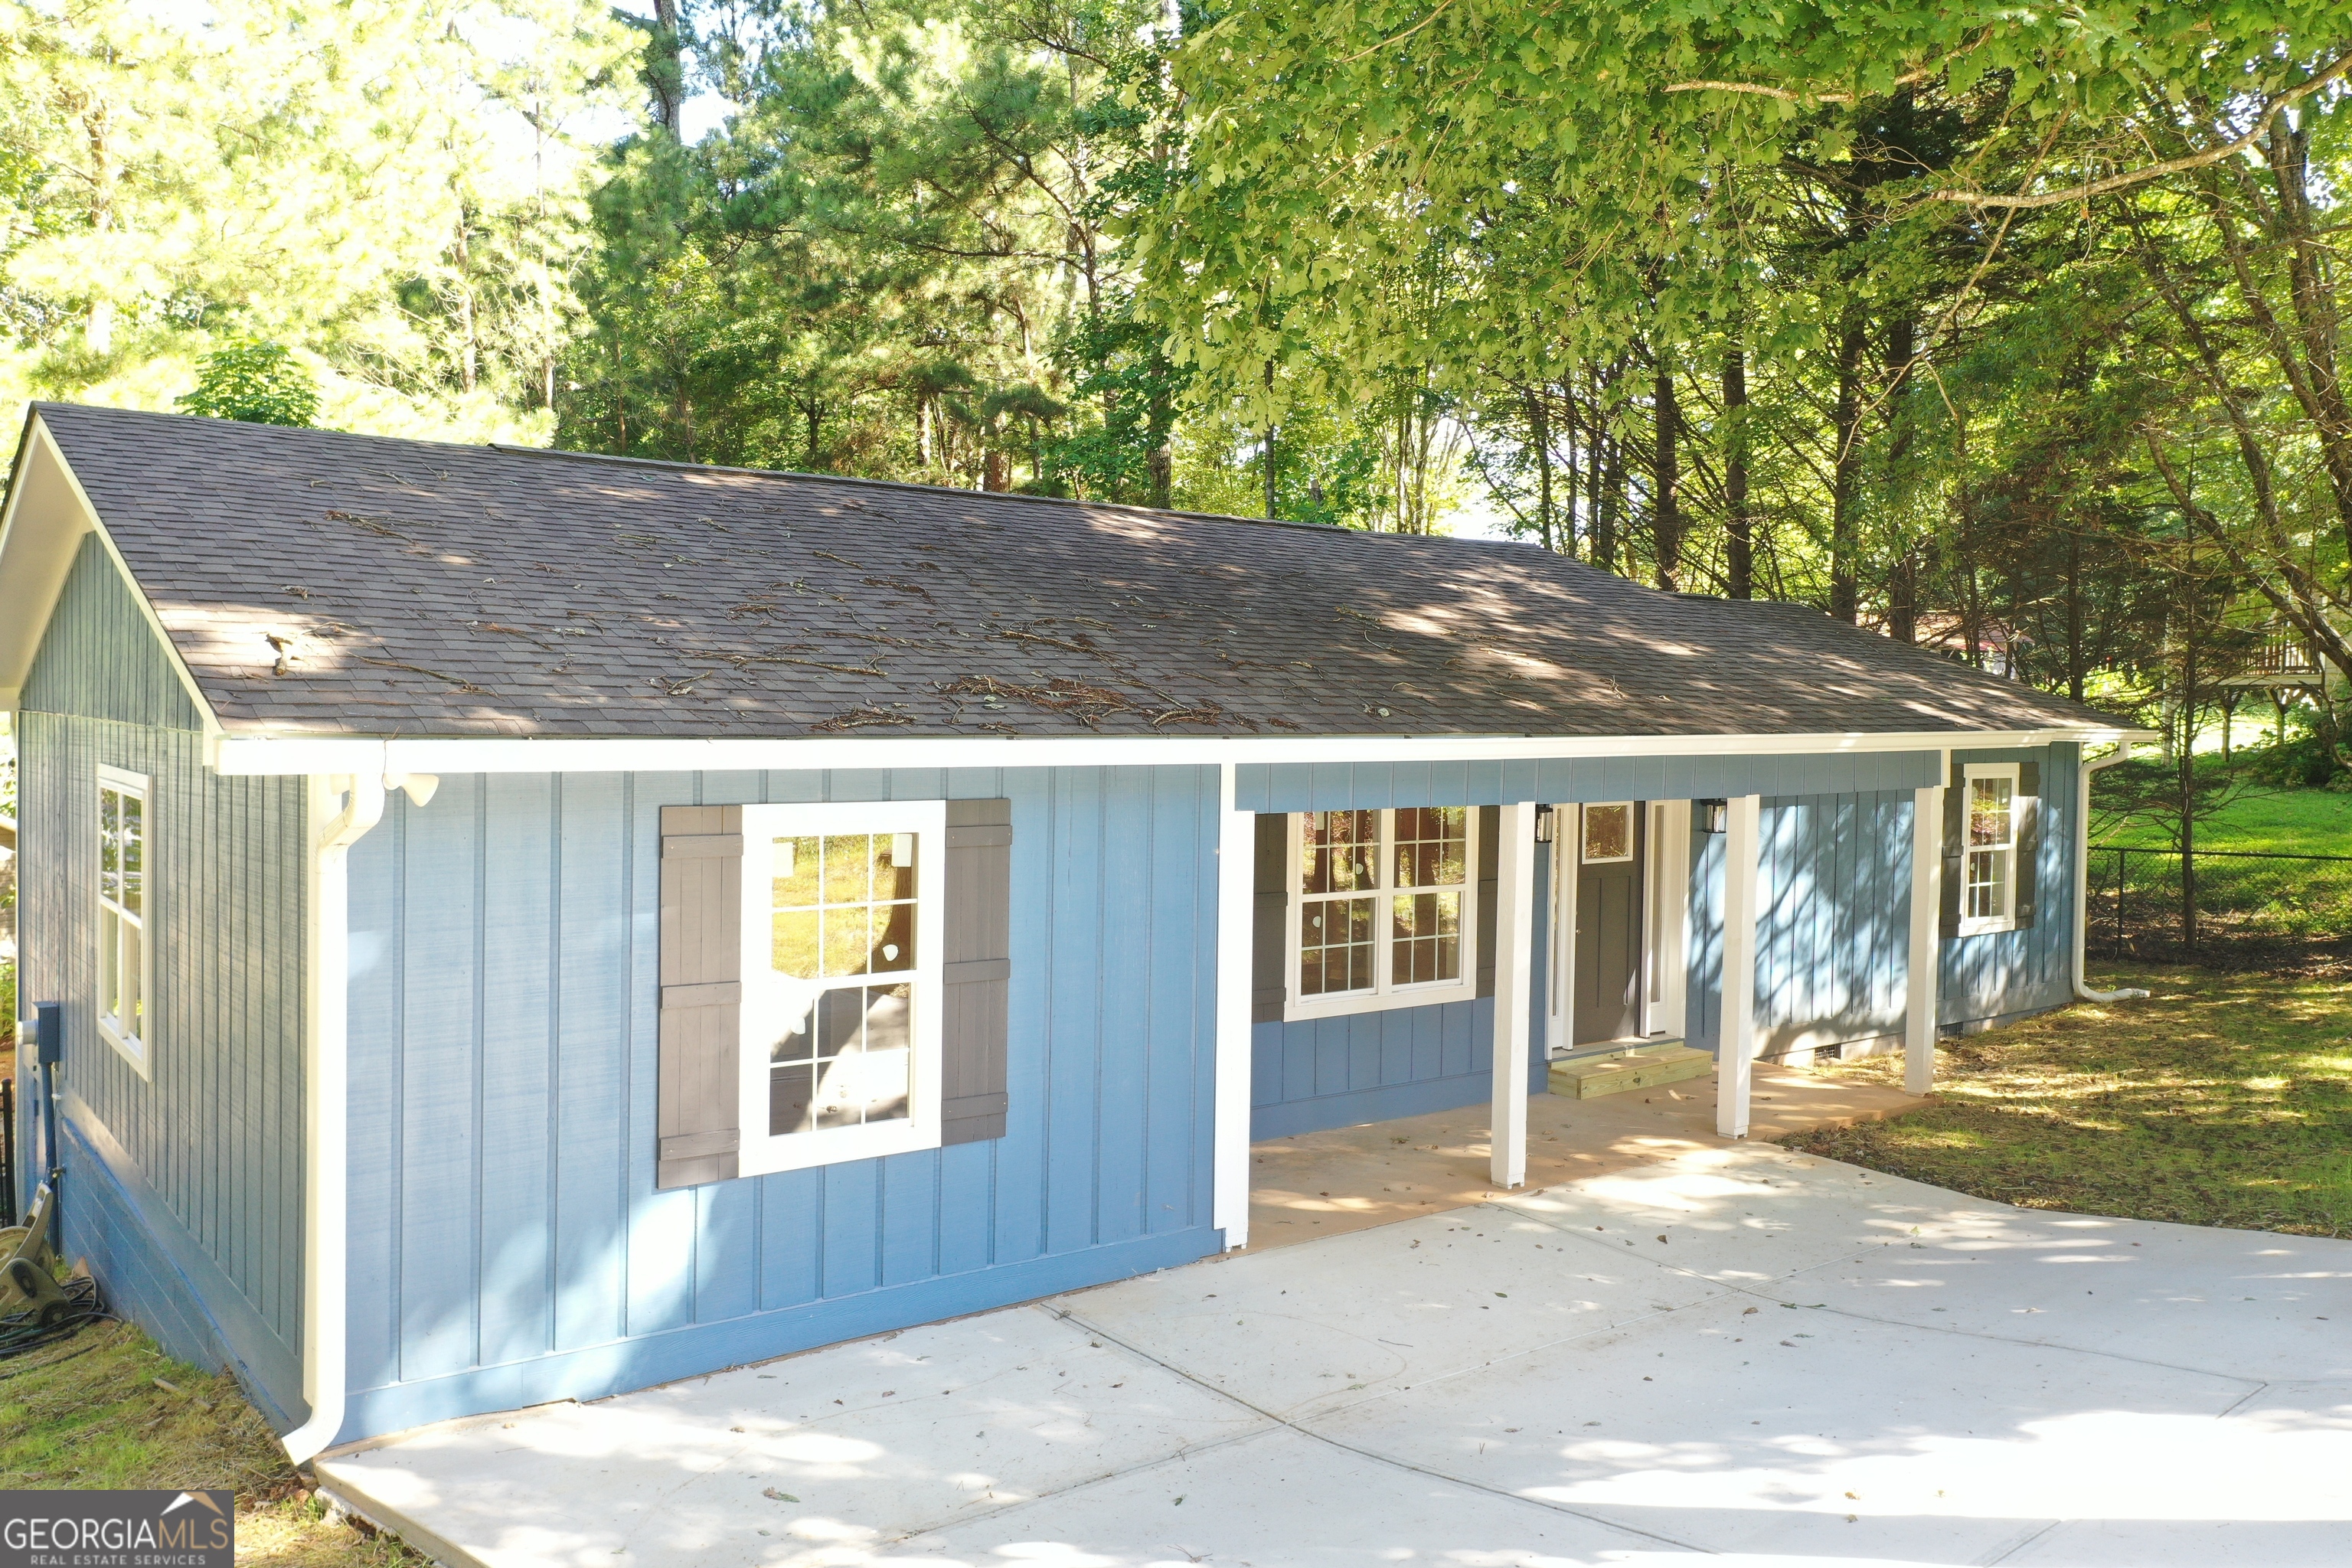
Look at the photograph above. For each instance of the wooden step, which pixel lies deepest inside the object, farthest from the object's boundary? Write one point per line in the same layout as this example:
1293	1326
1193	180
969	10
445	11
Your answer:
1642	1067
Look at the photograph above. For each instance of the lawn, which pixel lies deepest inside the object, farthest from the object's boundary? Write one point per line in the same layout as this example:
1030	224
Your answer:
2268	821
107	1410
2223	1099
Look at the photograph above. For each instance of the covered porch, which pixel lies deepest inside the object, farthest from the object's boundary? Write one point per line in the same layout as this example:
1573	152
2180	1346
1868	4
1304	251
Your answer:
1832	863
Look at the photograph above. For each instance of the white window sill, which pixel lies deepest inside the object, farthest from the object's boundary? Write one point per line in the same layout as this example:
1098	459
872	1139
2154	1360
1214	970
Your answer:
129	1047
1987	927
834	1146
1295	1011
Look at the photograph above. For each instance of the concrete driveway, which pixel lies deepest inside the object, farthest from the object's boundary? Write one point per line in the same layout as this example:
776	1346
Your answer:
1740	1351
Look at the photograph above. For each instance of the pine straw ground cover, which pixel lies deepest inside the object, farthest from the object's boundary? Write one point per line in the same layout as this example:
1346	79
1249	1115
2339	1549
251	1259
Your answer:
107	1410
2222	1100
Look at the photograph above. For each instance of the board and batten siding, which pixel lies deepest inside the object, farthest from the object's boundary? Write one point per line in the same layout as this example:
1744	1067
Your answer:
194	1227
1833	909
508	1244
1313	1074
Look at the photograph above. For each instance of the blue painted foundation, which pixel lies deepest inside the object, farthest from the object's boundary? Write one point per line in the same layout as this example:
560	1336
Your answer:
595	1370
153	1273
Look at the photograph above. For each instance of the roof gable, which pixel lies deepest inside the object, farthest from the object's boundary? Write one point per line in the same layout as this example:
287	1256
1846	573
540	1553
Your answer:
98	656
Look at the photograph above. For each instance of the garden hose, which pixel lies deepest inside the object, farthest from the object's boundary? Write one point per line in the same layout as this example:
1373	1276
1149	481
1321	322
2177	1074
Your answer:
75	1307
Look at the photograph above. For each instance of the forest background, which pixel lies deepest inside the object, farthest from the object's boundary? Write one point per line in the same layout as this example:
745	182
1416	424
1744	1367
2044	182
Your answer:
2015	333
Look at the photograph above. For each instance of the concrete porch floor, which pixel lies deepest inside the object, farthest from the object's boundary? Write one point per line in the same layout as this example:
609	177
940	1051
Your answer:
1734	1351
1328	1183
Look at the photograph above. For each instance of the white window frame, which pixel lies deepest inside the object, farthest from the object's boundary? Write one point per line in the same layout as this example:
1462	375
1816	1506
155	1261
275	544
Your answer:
1986	925
1583	826
1385	993
771	1002
116	924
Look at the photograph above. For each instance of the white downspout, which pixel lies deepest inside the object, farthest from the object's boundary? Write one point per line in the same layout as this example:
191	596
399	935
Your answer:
2083	876
325	1120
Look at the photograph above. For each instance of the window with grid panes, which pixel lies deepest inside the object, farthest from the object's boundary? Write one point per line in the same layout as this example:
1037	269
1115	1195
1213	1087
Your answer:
1382	911
840	996
1989	863
123	913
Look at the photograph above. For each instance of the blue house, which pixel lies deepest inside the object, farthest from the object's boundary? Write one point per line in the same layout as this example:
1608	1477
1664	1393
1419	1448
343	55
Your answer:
532	925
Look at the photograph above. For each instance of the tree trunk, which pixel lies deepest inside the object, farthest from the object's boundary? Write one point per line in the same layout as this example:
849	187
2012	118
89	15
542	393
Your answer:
665	68
1539	433
1611	506
1738	527
2077	662
1845	525
1568	469
1665	512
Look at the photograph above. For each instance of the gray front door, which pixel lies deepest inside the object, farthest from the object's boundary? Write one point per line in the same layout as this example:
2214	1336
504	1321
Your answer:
1609	845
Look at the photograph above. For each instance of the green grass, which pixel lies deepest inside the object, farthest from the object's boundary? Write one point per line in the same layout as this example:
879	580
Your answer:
2223	1099
107	1410
2282	821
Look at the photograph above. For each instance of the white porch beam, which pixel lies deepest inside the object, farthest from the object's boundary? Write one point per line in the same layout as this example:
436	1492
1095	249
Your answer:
1922	979
1515	910
1236	871
1735	1043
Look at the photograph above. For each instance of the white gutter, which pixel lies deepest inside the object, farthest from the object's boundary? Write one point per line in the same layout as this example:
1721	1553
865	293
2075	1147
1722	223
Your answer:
325	1111
2082	874
256	754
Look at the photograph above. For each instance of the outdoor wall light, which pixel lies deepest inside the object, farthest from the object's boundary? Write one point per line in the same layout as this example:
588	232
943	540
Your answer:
1711	815
1543	825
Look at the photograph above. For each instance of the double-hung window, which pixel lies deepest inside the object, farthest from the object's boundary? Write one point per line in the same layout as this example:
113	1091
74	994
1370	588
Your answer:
1989	855
842	980
123	910
1382	910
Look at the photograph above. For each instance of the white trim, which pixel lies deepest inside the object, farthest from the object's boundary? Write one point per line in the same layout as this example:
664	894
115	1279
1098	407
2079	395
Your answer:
1236	909
264	753
37	554
137	1047
1988	925
1736	1040
770	999
1923	971
326	1121
1560	1019
1667	984
1585	857
1385	994
1514	901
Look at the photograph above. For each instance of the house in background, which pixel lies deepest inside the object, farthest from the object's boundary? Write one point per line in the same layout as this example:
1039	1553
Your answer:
533	925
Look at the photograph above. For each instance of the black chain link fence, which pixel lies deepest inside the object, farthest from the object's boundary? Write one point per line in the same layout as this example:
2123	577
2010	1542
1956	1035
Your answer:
2240	910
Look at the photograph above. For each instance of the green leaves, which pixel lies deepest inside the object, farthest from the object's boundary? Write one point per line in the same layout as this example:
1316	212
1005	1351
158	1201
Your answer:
260	384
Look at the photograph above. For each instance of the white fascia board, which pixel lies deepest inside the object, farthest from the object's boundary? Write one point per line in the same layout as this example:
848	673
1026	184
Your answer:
254	754
47	514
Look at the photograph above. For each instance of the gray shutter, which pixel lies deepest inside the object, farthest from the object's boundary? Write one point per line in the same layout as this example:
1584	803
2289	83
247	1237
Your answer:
1269	911
2028	841
1956	828
701	994
977	960
1490	872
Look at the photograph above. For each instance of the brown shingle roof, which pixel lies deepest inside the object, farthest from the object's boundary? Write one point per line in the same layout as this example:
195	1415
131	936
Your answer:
443	590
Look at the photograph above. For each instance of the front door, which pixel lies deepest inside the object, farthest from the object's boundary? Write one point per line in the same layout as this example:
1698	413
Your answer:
1609	923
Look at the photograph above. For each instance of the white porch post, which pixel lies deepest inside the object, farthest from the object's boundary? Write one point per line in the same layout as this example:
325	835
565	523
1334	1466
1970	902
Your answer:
1923	976
1236	870
1670	828
1515	908
1735	1043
